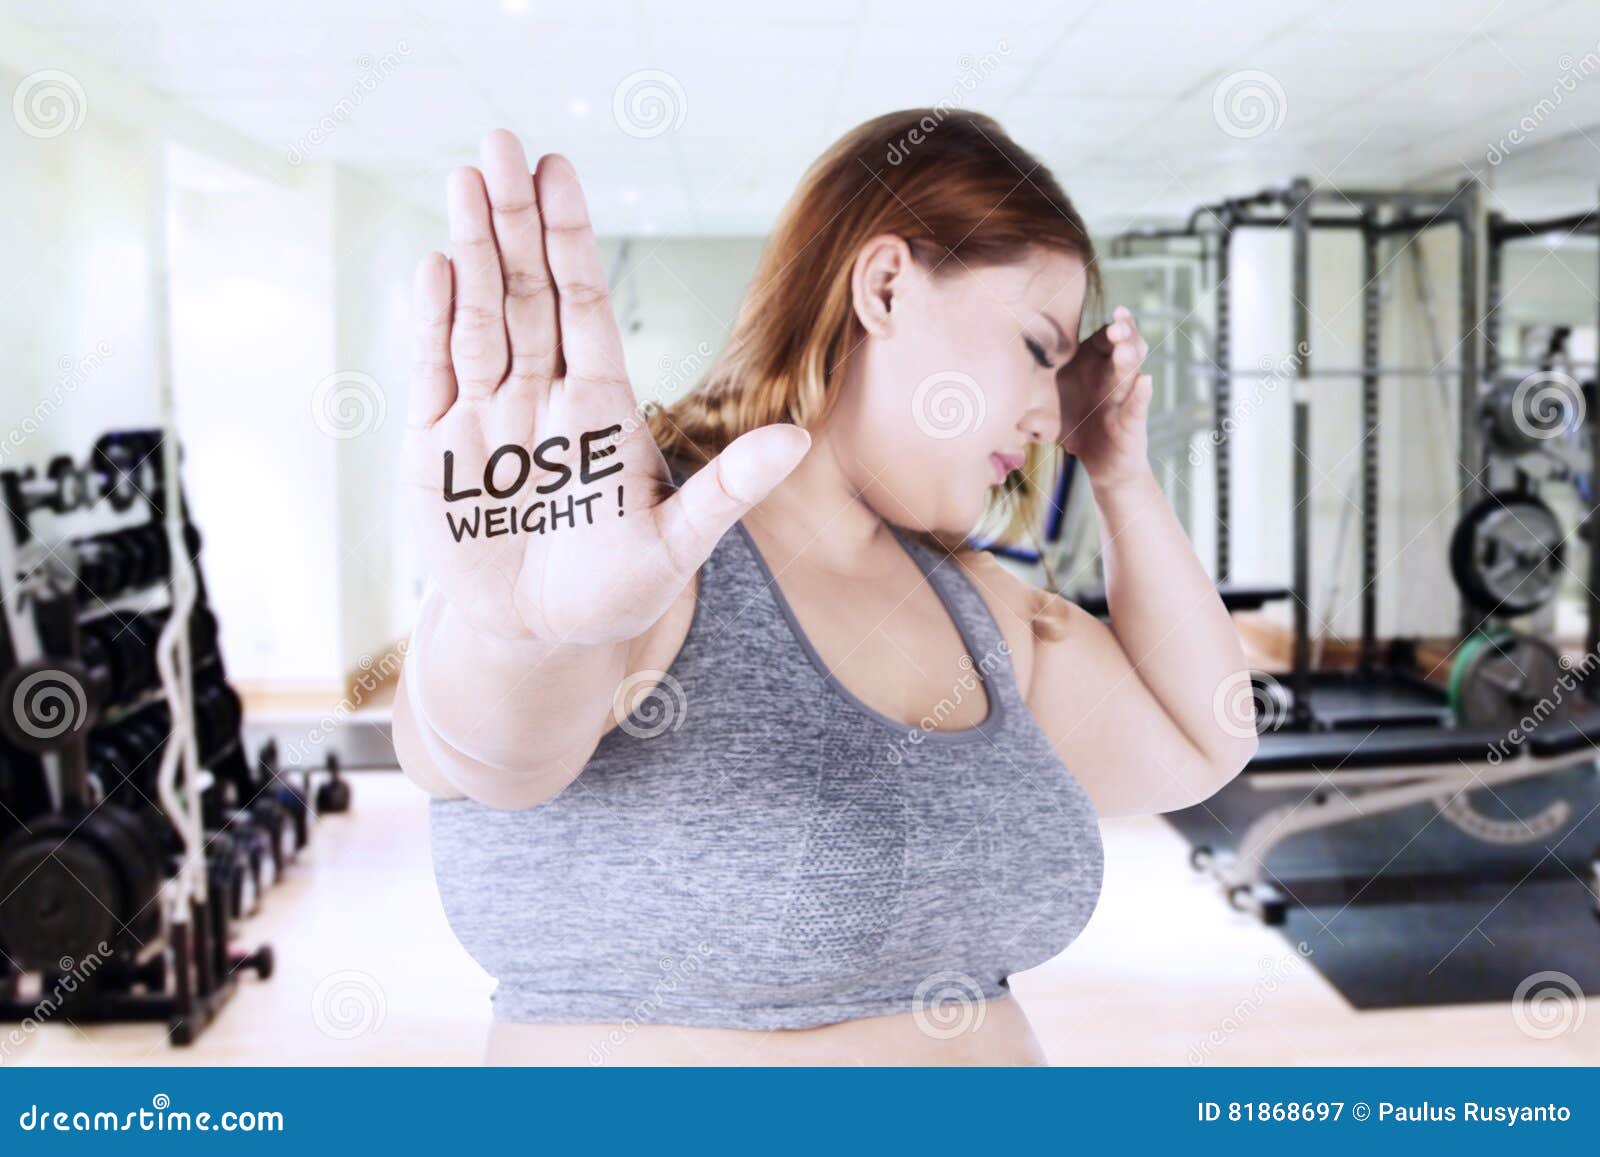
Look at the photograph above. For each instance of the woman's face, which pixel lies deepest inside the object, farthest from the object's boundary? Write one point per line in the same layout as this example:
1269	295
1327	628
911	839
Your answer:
955	377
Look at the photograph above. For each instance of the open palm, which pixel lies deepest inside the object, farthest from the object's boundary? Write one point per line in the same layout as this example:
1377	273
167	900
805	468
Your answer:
519	367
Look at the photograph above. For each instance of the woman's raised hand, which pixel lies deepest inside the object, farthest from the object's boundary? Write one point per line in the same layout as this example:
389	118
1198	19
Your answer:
542	506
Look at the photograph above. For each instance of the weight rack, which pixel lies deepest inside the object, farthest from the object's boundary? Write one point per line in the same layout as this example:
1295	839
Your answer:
122	772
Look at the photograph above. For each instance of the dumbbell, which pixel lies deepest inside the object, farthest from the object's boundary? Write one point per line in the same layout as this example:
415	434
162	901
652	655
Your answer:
119	651
217	716
258	844
271	814
111	564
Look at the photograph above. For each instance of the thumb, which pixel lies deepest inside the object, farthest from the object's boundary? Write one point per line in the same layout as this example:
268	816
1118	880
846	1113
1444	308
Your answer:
694	519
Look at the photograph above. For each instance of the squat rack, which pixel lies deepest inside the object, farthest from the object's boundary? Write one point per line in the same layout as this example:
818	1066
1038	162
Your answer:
1502	231
1303	208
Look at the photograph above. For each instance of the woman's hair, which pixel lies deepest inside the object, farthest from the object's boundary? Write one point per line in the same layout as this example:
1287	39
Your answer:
960	192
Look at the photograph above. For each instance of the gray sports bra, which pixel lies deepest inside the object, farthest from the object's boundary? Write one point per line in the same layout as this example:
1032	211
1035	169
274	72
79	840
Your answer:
756	848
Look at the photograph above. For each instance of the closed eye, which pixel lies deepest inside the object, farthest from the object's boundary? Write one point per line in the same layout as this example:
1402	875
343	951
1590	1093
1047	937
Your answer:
1037	351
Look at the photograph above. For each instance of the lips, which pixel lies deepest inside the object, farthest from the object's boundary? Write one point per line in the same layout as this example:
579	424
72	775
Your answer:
1005	464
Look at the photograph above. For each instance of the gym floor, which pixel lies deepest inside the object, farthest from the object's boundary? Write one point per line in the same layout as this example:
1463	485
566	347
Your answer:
369	973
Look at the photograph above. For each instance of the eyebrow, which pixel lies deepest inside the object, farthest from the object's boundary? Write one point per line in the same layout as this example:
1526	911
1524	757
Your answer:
1063	344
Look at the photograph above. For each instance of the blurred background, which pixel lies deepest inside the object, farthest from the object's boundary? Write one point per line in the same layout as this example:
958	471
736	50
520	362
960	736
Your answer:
1361	237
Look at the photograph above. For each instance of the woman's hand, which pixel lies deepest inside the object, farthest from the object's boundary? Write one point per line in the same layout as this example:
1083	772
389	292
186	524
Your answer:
1105	401
519	364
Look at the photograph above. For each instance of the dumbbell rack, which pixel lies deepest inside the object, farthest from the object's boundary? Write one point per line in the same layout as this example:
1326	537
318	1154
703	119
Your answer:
95	692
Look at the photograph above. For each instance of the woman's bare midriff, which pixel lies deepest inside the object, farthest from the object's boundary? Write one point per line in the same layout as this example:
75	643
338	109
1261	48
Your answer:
1000	1036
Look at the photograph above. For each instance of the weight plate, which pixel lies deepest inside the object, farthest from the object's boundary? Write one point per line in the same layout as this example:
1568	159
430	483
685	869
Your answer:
1505	680
1507	552
53	901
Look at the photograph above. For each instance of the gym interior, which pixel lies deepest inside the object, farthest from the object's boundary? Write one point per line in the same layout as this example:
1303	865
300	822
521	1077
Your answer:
1361	239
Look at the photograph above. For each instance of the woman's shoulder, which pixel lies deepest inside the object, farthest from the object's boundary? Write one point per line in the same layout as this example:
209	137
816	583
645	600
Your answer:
1028	616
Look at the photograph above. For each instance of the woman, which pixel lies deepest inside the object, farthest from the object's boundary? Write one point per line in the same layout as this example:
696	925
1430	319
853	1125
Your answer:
737	754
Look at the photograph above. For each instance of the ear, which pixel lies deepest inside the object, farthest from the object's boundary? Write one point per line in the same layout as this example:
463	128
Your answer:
878	275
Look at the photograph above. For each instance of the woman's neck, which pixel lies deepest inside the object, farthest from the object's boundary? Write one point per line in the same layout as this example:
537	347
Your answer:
818	513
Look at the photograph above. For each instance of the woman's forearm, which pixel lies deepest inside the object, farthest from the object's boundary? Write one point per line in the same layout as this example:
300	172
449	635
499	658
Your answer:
1167	615
491	711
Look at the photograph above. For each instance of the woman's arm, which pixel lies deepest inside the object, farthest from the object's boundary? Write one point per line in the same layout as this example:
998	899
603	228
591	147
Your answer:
521	424
1148	712
511	723
1145	710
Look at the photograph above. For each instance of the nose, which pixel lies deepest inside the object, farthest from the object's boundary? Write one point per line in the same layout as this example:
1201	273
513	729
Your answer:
1042	422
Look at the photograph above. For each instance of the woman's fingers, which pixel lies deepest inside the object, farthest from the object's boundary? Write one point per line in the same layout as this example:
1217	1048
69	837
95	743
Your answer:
433	381
591	347
694	519
478	328
530	300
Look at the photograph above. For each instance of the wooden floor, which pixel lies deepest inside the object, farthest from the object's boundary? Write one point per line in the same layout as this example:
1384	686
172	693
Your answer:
368	973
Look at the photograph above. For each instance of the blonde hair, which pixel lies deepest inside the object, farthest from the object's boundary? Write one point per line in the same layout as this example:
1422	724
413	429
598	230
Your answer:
950	182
